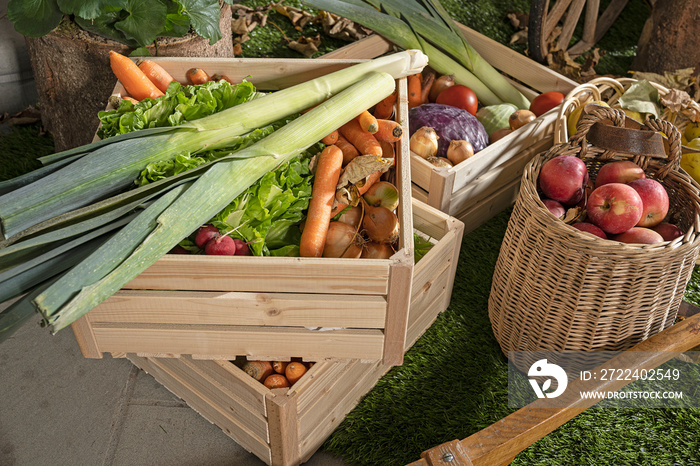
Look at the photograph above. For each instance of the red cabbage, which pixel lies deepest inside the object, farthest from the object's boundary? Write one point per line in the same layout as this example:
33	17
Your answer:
450	123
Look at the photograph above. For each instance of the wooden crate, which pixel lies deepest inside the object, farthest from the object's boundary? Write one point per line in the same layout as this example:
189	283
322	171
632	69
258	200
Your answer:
480	187
219	307
286	426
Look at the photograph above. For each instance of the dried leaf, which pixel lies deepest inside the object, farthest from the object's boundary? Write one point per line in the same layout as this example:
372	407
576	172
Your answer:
518	20
306	45
592	60
355	175
573	215
297	16
519	37
561	61
342	28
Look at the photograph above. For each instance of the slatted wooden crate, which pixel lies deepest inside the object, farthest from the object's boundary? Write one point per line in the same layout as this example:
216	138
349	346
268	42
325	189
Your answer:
480	187
286	426
219	307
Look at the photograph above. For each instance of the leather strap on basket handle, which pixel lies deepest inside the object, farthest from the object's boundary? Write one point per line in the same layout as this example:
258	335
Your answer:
628	140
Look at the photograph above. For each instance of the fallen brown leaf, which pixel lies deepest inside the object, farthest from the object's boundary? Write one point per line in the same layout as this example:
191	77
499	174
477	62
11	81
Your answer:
305	45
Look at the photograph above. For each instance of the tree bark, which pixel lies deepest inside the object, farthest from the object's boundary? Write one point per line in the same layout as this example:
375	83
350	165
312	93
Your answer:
74	79
670	39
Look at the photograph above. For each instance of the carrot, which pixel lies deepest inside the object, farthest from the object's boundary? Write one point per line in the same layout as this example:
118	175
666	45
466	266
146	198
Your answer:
156	74
371	179
313	238
294	371
367	121
385	107
349	151
425	86
331	138
219	77
130	99
363	141
388	130
415	92
132	78
276	381
259	370
197	76
279	366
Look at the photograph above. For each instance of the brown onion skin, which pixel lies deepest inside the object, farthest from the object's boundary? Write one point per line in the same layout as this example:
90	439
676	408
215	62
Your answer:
351	216
372	250
341	239
380	224
440	84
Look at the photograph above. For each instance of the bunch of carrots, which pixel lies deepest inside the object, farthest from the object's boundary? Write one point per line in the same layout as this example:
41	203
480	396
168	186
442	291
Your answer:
146	79
366	134
277	374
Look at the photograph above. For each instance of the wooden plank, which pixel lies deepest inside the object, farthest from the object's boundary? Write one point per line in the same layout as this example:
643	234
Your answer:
570	22
242	308
402	169
398	302
485	209
422	171
421	321
371	46
227	342
85	337
419	193
265	274
284	428
210	412
319	381
429	220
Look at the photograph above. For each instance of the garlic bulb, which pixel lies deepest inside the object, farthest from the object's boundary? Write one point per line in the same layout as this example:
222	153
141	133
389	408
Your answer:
424	142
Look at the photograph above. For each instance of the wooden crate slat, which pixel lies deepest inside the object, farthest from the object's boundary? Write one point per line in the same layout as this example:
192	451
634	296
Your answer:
482	210
242	308
227	342
312	389
421	321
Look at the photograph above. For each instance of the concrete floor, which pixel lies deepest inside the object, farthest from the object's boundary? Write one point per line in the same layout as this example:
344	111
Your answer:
58	408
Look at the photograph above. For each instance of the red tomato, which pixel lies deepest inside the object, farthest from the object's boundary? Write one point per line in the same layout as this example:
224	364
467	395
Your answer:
459	96
545	102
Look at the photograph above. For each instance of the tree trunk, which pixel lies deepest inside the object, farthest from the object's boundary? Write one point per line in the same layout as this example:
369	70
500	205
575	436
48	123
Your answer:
74	79
670	39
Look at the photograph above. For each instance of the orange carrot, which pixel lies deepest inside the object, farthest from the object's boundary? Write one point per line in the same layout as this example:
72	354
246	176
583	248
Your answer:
294	371
276	381
385	107
388	130
371	179
349	151
219	77
156	74
415	92
365	142
132	78
313	238
279	366
130	99
197	76
426	84
367	121
331	138
259	370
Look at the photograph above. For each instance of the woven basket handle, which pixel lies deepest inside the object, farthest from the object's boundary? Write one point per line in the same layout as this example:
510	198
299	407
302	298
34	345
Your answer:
610	130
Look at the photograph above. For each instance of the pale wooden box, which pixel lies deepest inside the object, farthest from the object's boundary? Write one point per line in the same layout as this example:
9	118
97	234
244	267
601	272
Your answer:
219	307
480	187
286	426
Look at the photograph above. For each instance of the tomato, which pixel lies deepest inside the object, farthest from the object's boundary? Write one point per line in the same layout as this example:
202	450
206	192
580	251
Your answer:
459	96
545	102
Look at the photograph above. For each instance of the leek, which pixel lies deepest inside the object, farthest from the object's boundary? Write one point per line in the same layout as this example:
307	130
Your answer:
180	211
411	25
110	166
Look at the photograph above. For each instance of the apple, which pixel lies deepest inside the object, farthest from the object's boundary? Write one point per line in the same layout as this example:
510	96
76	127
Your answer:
654	201
554	207
563	179
621	171
614	207
639	235
668	231
590	228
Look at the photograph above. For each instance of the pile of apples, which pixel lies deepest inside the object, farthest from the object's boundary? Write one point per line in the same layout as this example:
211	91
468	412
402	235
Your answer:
621	205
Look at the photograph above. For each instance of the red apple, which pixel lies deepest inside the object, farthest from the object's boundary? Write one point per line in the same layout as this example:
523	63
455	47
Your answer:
590	228
563	179
614	207
621	171
639	235
554	207
668	231
654	201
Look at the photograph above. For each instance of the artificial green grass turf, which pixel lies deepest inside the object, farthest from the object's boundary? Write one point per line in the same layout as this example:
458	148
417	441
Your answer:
20	146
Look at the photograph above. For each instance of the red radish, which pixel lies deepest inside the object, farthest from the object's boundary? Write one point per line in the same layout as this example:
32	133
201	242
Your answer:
221	246
204	234
178	250
242	248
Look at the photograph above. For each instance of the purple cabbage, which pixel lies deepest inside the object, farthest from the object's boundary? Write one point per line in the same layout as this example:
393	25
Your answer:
450	123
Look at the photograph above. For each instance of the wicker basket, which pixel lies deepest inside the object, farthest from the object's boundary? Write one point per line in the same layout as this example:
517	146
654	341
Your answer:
558	289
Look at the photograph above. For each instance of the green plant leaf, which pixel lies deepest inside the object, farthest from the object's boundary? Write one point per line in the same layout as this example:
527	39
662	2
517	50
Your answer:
145	22
177	23
89	9
204	17
34	18
103	25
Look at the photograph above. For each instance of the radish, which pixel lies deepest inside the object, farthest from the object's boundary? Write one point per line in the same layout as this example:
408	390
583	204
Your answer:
242	248
221	246
204	234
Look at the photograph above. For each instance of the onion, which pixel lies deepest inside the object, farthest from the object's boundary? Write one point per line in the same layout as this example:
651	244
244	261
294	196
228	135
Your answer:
440	162
424	142
459	151
342	241
372	250
499	133
520	118
382	193
439	85
380	224
351	216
